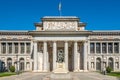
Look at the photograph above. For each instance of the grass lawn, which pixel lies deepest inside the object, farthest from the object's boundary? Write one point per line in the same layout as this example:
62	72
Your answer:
7	74
116	74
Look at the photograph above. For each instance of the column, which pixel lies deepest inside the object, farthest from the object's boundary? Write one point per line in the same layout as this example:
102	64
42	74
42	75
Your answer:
101	47
66	54
54	54
95	47
35	56
25	52
45	56
19	48
13	48
76	68
85	56
107	47
6	48
88	47
113	47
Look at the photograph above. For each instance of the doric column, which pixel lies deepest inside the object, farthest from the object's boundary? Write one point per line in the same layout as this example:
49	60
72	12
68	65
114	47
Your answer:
54	54
35	56
101	47
76	68
95	47
25	48
85	56
19	48
6	48
66	54
45	56
107	47
113	47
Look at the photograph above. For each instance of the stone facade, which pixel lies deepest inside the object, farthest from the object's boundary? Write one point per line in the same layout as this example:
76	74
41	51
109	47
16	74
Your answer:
38	50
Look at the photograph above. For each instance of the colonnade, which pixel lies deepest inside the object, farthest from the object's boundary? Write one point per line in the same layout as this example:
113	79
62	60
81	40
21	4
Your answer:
66	52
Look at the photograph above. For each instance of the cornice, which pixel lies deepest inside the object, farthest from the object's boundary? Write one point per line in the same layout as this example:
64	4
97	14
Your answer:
59	32
13	33
106	33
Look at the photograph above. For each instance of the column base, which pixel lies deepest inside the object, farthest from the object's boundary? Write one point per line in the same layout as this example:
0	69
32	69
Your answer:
45	71
77	70
85	70
37	71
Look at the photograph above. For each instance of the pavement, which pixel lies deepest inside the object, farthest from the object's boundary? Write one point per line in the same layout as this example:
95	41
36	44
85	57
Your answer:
46	76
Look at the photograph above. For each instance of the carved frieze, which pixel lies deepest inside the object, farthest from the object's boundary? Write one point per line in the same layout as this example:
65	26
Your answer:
60	25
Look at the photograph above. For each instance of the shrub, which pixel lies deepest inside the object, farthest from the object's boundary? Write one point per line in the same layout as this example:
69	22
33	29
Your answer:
12	68
108	69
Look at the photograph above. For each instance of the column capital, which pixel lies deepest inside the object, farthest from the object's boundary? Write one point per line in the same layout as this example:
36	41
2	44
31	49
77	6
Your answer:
66	41
54	41
35	41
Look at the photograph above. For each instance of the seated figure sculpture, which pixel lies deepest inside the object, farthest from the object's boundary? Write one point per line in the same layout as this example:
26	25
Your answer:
60	57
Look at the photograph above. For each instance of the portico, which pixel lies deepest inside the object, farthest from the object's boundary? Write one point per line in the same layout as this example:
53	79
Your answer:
73	51
60	33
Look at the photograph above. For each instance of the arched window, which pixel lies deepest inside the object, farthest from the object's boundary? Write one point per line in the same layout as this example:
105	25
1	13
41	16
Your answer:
98	64
9	62
110	62
21	66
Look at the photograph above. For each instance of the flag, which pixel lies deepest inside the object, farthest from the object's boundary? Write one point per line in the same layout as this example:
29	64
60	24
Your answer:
60	6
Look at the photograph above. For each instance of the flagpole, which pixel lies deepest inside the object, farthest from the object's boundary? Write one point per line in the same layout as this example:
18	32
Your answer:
60	8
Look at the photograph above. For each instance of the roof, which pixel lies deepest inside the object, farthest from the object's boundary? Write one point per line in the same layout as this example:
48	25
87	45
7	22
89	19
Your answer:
60	17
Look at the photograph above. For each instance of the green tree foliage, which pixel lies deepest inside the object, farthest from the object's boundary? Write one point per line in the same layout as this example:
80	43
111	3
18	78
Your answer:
108	69
12	68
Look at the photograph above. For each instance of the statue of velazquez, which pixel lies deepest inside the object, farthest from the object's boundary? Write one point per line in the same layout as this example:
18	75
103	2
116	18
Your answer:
60	56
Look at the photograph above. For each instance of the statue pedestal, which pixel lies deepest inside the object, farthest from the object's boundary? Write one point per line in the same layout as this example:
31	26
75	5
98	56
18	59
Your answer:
60	68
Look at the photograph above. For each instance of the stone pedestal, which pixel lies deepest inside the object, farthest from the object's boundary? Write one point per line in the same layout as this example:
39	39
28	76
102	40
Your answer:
60	68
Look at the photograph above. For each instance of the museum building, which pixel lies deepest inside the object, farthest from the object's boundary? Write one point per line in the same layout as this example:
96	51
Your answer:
60	42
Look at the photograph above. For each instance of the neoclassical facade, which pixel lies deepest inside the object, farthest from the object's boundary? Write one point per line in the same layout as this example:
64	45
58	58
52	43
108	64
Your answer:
81	50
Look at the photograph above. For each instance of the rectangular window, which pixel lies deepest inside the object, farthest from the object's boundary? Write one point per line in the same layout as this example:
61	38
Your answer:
9	48
92	48
28	47
116	47
16	47
3	48
110	48
22	48
98	48
104	48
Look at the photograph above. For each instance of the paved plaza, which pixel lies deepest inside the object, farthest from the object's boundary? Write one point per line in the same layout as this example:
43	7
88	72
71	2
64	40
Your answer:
46	76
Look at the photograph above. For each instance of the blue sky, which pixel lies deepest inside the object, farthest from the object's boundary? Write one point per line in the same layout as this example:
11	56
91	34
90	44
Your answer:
22	14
